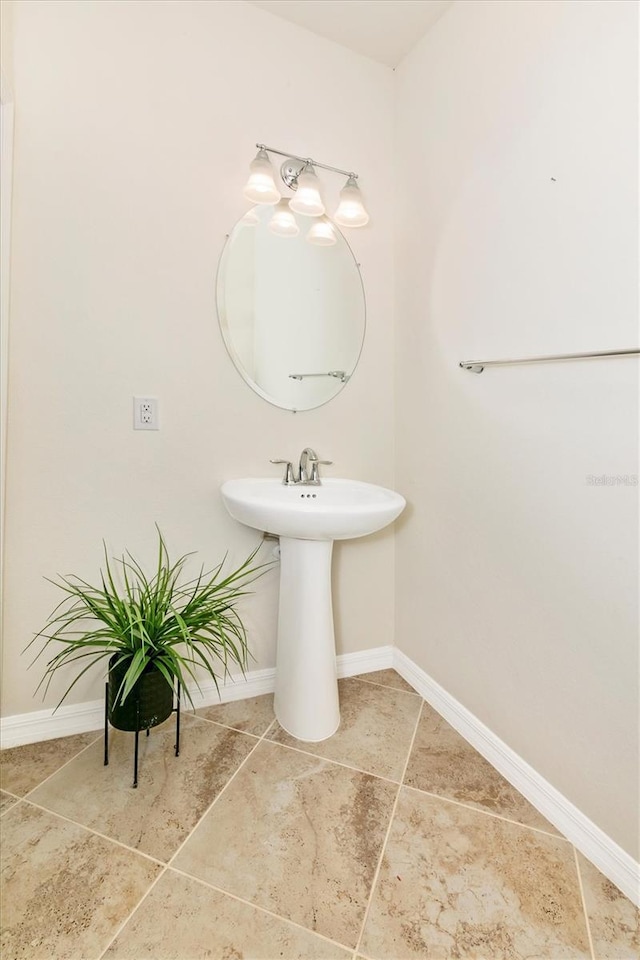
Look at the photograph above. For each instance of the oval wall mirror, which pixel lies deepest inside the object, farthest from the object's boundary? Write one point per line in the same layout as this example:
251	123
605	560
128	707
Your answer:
291	311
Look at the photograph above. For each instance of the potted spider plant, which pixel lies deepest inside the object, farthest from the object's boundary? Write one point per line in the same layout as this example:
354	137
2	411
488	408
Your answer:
154	630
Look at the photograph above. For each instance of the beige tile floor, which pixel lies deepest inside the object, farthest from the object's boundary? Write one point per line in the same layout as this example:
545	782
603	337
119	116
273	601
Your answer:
392	840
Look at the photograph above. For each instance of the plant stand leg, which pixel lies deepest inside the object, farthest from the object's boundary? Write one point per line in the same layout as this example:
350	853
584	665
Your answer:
106	724
178	722
135	749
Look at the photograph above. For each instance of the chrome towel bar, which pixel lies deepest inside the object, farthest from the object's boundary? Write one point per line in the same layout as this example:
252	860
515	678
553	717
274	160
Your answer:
338	374
477	366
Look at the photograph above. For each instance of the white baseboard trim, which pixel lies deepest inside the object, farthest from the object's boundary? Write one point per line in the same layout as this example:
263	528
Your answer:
47	725
365	661
614	862
83	717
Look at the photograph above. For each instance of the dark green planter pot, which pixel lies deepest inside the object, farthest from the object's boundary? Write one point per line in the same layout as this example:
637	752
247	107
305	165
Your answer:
152	692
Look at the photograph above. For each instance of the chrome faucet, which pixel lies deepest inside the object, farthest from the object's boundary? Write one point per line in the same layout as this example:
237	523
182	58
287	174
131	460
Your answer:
306	477
307	457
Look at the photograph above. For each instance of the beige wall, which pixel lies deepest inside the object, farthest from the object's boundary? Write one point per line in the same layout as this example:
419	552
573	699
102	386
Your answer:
135	125
6	183
6	34
517	234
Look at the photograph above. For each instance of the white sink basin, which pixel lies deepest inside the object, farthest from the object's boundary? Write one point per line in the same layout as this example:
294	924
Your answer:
334	510
307	519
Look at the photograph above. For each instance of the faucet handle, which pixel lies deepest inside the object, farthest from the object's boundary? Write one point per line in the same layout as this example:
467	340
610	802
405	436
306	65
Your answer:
315	463
288	473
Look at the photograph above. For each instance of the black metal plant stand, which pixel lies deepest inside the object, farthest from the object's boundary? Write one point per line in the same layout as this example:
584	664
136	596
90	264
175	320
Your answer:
175	710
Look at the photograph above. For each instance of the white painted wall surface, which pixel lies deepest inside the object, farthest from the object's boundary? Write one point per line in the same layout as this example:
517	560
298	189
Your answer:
6	188
135	125
517	234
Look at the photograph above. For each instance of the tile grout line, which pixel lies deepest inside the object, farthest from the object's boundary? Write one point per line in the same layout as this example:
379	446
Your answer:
225	726
104	836
131	913
386	838
160	863
217	797
40	806
16	799
437	796
256	906
338	763
58	769
117	843
179	848
387	686
486	813
168	866
194	716
584	904
91	744
96	833
10	793
249	903
13	806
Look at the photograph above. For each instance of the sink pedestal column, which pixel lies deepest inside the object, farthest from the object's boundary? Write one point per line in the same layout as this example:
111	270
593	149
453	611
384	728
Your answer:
306	697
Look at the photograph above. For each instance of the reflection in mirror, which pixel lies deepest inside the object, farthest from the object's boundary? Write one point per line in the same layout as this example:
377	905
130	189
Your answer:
291	307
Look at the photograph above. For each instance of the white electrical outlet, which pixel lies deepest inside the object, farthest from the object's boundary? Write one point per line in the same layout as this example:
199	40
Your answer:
145	413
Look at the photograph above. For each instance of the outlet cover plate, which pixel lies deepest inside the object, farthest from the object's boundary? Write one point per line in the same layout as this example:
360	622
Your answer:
145	413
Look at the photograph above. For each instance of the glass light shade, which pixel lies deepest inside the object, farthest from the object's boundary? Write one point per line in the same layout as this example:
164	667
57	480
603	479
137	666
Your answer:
322	234
283	223
251	218
307	199
261	185
351	211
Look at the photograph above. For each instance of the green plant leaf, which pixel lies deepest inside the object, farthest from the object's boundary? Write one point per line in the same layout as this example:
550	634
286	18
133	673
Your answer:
176	624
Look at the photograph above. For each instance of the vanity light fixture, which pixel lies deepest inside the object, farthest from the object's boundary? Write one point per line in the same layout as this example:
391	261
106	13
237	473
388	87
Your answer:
351	211
283	223
261	185
322	234
299	175
307	199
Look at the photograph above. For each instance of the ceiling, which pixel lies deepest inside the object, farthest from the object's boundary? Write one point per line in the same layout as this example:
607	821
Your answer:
384	30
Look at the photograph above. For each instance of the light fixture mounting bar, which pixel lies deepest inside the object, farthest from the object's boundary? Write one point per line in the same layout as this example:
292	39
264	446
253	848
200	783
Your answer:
315	163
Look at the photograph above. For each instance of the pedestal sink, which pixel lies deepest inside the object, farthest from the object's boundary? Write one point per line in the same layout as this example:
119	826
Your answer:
307	519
